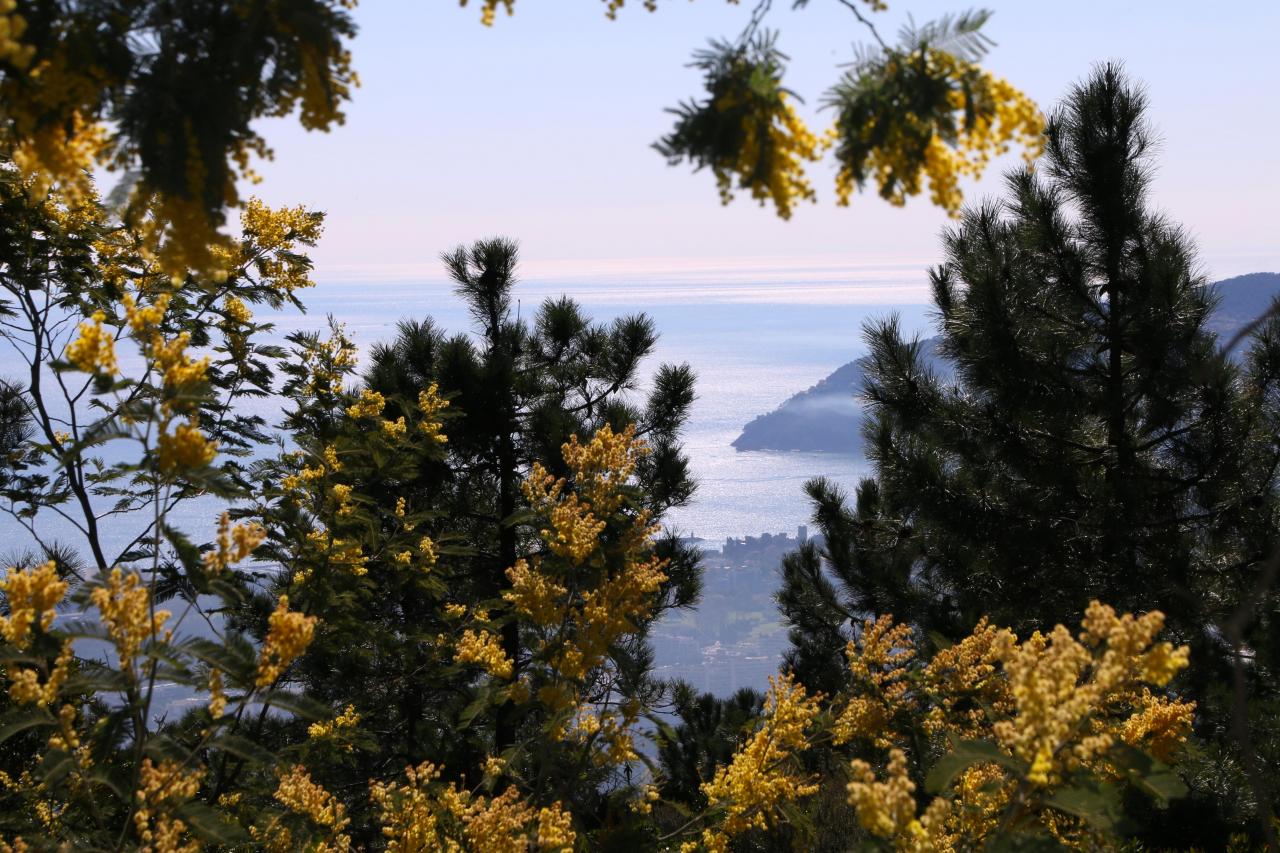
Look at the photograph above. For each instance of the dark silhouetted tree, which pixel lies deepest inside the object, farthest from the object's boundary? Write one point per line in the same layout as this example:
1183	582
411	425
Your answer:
1094	442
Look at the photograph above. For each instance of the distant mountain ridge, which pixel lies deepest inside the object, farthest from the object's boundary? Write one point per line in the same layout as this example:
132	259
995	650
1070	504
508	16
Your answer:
827	417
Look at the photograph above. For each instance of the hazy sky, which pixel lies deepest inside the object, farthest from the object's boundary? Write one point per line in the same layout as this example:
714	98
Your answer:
539	128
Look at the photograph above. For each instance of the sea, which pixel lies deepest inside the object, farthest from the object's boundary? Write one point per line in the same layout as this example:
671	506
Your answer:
754	335
755	331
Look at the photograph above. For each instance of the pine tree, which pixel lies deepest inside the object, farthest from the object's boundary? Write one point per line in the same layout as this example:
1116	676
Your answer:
521	394
708	732
517	390
1094	442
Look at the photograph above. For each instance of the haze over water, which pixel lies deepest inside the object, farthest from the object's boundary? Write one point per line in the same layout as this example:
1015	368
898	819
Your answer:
754	332
754	335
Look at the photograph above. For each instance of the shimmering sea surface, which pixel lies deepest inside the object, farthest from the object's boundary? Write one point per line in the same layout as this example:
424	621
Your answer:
753	337
752	343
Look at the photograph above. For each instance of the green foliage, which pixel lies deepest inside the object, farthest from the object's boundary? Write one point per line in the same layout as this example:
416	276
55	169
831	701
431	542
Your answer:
89	754
920	109
894	106
745	130
67	433
1094	443
517	390
709	731
169	91
442	637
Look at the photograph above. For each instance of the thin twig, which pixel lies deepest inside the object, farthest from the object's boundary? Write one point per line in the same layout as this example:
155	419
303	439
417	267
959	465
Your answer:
857	13
757	18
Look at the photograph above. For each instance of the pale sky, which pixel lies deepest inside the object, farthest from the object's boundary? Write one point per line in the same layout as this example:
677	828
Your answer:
540	128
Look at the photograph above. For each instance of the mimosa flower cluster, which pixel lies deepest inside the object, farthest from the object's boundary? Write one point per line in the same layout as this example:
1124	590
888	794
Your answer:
489	8
747	130
288	636
348	719
162	790
421	813
484	649
974	117
764	774
234	543
32	595
12	26
317	478
327	362
1036	715
60	125
1056	705
125	604
180	445
302	796
94	351
270	252
878	663
770	165
579	598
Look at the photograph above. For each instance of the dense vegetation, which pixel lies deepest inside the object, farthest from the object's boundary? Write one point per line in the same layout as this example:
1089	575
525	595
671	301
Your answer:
1093	438
417	616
